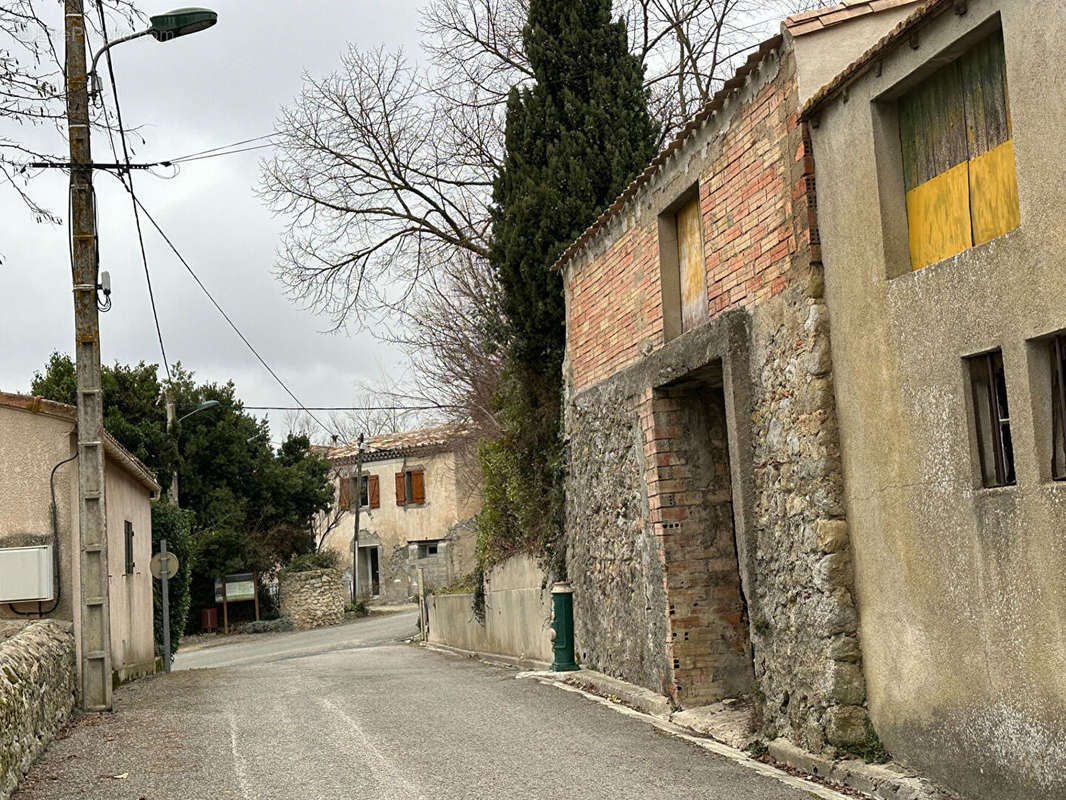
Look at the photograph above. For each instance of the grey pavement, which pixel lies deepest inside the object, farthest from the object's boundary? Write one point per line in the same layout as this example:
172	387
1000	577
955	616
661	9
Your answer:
380	720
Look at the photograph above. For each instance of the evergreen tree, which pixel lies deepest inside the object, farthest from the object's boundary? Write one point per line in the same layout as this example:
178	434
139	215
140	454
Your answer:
575	138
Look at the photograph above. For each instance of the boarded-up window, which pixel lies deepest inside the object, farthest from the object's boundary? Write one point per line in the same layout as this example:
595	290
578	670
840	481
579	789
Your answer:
958	156
1057	353
129	547
690	264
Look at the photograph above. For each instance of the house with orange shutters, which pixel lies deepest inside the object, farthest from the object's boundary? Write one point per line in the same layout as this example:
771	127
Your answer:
417	497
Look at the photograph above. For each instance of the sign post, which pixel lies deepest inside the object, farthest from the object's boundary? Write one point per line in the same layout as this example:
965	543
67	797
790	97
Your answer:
164	566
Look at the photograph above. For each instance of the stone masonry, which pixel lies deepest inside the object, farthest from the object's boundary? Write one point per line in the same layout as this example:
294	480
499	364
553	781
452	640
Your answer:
313	599
38	680
707	540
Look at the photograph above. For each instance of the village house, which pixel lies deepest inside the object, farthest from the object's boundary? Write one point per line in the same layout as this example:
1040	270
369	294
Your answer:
706	519
417	498
37	448
940	188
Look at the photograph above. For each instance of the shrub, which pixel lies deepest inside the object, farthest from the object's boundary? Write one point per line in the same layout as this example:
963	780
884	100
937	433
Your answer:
171	523
307	562
268	626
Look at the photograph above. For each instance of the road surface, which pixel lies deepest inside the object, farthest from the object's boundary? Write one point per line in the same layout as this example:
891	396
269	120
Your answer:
375	718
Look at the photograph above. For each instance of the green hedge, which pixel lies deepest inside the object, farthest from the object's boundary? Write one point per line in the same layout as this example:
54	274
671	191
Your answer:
171	523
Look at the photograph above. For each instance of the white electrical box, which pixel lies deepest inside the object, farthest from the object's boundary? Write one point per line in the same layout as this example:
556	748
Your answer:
26	574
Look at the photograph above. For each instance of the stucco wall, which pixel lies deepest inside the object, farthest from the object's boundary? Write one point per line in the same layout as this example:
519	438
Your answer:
37	685
960	588
132	637
517	614
31	444
395	530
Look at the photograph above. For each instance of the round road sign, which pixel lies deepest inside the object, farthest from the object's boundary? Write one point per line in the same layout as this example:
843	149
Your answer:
156	566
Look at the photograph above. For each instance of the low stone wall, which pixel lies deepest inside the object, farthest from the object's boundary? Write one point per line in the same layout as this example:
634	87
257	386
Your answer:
517	614
313	599
38	679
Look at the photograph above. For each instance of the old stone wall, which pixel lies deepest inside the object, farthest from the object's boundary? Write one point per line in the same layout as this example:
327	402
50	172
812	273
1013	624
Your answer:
735	418
313	599
38	679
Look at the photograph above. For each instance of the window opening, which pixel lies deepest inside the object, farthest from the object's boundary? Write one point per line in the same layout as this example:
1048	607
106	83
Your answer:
1057	352
992	419
427	549
129	548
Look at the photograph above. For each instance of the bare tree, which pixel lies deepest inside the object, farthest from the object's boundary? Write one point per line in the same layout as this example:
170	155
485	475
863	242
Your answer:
32	90
384	171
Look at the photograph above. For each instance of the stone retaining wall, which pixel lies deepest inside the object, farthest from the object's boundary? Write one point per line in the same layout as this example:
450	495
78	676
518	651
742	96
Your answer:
313	599
38	679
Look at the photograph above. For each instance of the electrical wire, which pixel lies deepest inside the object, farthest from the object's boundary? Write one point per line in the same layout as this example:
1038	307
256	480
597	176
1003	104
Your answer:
127	181
230	146
348	408
225	316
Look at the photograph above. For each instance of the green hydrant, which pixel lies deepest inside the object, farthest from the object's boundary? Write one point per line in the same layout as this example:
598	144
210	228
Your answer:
563	628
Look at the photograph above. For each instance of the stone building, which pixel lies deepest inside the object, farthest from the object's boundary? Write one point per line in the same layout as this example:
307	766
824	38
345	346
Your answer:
36	437
940	190
706	517
417	500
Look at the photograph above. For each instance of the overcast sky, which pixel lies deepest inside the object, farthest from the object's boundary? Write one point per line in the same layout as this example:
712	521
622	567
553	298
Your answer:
219	86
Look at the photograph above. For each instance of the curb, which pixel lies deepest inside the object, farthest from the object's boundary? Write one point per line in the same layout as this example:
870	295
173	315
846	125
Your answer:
496	659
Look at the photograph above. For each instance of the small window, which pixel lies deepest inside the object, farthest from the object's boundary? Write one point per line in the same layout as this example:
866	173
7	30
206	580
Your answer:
958	156
411	487
682	268
427	549
129	548
364	491
992	419
1057	354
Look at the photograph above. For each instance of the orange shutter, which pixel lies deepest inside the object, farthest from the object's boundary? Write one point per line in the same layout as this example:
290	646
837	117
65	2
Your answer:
375	491
344	501
401	497
418	487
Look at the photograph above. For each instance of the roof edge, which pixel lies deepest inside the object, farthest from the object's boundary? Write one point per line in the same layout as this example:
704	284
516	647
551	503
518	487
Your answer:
858	67
821	19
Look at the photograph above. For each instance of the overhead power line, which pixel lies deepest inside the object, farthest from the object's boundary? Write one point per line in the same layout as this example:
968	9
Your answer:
349	408
225	316
127	181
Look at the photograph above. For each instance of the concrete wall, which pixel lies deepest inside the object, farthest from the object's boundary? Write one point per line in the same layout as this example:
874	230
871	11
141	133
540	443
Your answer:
451	501
38	680
960	588
517	614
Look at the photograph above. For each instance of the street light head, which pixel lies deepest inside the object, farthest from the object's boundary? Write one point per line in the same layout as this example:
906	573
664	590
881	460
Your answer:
207	404
180	22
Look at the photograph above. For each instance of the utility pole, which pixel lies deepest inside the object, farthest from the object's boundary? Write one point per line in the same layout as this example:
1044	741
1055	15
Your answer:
172	493
358	505
94	649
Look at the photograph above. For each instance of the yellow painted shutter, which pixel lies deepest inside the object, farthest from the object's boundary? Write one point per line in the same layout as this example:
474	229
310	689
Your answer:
958	157
690	262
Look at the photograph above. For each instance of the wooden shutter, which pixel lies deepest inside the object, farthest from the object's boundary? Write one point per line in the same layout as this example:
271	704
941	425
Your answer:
374	491
344	501
958	158
401	495
418	487
690	263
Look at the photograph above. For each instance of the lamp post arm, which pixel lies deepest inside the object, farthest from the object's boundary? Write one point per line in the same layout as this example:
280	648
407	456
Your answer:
92	70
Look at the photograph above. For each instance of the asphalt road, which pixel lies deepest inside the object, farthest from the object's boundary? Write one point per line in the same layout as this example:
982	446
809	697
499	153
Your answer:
381	720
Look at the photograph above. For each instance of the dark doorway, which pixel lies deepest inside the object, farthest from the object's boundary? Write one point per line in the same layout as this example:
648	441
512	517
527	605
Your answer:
709	639
375	575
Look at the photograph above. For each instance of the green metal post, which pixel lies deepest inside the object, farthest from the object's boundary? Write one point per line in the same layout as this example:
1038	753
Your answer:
563	628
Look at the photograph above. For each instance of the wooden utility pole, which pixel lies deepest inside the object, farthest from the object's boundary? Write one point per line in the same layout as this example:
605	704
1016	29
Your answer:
94	640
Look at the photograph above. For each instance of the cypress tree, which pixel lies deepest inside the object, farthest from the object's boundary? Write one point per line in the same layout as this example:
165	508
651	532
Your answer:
575	137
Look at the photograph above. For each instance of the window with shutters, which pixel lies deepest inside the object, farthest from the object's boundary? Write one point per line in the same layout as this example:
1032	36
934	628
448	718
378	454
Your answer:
991	419
367	489
129	548
411	487
958	156
682	270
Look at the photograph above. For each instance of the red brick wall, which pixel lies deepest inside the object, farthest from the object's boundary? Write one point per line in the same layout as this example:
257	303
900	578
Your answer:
755	222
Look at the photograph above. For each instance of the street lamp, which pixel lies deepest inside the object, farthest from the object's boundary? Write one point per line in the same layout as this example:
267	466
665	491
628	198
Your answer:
164	27
171	422
202	407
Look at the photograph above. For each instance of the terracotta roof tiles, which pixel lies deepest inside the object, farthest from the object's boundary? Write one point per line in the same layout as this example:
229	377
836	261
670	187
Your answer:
821	18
